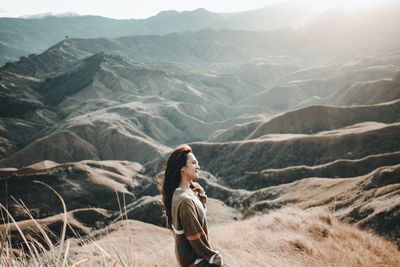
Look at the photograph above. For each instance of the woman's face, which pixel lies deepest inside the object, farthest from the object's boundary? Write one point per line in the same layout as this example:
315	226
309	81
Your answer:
191	170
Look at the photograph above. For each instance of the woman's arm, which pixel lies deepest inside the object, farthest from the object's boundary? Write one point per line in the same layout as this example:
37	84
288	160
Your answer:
196	235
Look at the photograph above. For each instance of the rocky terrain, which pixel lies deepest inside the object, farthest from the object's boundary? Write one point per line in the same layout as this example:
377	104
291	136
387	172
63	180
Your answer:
285	132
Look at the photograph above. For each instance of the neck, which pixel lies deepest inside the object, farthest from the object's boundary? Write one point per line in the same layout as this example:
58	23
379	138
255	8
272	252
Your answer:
185	183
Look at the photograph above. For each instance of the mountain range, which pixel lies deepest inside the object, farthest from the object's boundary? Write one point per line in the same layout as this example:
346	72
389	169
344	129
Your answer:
23	36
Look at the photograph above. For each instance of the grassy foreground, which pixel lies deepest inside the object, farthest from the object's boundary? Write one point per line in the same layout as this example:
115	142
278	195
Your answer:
286	237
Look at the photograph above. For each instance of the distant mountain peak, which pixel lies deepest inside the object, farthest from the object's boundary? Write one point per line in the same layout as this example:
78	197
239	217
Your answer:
50	14
201	10
166	13
173	13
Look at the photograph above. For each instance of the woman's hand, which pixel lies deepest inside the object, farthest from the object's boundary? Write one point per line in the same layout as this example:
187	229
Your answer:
199	191
196	187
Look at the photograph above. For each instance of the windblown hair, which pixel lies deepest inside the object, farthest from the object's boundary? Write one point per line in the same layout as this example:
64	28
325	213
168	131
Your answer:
176	161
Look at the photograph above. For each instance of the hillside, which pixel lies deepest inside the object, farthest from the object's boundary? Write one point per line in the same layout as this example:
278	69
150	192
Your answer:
236	158
68	91
369	201
320	241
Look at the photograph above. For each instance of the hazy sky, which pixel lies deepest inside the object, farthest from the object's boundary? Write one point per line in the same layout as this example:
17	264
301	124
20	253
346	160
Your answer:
121	9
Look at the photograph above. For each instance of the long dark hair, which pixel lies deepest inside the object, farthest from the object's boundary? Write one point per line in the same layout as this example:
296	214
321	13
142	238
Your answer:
176	161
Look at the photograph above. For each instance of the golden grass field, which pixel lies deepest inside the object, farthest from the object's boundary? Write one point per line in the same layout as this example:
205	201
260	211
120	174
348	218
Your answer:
286	237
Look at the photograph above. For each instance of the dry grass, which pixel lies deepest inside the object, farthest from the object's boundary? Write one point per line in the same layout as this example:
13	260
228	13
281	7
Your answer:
38	247
293	237
287	237
129	241
33	251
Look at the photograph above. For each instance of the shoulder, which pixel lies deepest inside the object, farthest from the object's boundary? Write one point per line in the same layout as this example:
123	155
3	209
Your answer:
185	201
182	195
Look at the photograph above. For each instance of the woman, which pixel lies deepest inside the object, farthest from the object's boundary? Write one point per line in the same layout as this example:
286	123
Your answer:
185	205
